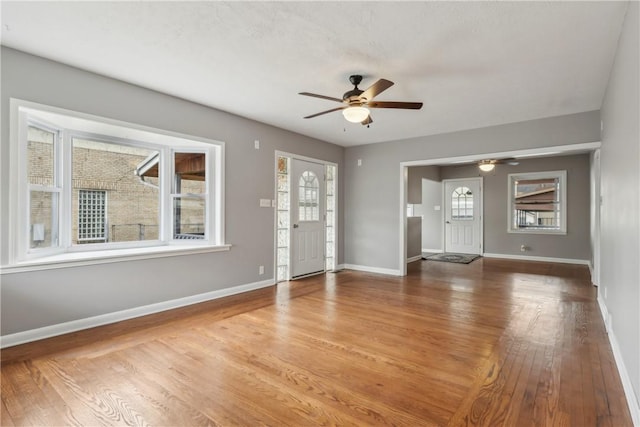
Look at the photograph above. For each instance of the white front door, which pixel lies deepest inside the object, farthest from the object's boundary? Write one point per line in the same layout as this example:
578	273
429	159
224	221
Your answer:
463	216
307	218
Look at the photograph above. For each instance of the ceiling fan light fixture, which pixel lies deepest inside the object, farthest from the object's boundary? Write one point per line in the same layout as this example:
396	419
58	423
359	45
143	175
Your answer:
355	114
486	165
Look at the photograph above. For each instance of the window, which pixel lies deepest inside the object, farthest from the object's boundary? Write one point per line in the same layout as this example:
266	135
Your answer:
309	197
537	202
92	207
462	204
88	184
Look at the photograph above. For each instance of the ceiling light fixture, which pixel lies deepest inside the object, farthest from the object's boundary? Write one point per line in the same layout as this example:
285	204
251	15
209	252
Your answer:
486	165
355	114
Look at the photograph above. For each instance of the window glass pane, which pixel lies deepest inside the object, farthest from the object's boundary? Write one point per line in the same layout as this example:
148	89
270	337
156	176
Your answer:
308	197
189	218
40	154
283	165
190	173
43	219
536	203
282	256
126	177
283	183
462	204
92	215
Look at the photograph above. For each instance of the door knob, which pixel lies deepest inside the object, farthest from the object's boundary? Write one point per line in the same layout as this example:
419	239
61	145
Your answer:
295	225
448	222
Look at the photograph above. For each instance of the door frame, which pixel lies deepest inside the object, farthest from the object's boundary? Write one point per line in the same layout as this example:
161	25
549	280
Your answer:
443	218
336	224
596	207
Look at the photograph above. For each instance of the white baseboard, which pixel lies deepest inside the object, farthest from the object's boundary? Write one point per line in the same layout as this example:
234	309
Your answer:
105	319
378	270
432	251
592	274
604	312
538	258
632	400
414	258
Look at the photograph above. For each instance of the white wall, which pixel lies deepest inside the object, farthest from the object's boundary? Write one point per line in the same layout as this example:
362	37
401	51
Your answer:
620	211
37	299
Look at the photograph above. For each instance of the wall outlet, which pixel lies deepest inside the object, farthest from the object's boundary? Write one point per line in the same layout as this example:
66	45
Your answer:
359	162
261	270
256	144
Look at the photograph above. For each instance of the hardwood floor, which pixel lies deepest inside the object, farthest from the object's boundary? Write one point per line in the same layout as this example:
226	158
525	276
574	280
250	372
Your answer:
492	343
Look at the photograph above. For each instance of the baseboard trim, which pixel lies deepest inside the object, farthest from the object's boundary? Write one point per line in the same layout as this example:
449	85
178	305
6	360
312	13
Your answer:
632	400
538	258
377	270
414	258
118	316
604	312
432	251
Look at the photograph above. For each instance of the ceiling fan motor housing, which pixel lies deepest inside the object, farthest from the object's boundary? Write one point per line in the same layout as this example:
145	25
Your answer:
352	97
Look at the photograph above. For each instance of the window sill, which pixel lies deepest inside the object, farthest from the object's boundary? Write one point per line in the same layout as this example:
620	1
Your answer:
534	231
108	256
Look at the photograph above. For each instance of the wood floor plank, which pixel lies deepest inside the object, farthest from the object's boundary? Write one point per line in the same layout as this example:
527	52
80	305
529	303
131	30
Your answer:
495	342
339	365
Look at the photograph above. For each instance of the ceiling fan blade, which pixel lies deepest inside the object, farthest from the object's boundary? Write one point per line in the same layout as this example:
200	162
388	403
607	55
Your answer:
392	104
506	160
325	112
367	121
320	96
376	89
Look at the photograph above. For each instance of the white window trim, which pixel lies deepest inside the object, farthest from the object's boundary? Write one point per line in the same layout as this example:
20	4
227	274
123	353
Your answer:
562	195
19	258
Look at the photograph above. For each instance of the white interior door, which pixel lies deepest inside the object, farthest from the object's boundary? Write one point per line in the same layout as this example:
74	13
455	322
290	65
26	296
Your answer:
463	216
307	218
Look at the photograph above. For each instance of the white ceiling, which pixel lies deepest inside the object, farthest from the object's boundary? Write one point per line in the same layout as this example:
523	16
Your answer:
473	64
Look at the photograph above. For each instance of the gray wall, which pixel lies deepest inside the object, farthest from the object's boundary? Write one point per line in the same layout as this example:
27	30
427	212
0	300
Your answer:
414	224
620	211
426	180
372	214
414	237
574	245
36	299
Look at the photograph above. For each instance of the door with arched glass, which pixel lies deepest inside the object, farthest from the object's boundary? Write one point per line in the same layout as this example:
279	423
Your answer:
463	216
307	218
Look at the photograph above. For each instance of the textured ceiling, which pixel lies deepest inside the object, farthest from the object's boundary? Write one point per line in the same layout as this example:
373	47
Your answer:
473	64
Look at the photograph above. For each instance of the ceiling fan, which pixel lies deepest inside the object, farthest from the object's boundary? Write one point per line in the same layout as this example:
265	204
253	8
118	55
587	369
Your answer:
357	102
488	165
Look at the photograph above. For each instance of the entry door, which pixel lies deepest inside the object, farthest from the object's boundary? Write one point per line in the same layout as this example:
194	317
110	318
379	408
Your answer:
463	216
307	218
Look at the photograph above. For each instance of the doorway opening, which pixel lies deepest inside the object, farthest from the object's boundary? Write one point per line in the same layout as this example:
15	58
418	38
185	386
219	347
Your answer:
306	213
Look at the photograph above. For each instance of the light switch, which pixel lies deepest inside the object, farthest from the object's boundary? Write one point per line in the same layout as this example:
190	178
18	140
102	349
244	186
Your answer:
436	208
